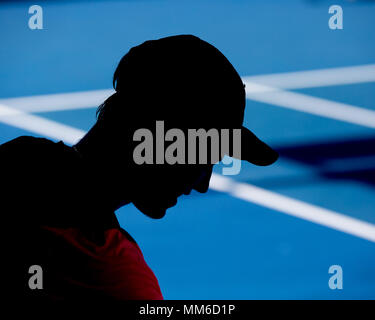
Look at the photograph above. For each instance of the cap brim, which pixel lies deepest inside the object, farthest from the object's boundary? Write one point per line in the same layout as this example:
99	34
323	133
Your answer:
256	151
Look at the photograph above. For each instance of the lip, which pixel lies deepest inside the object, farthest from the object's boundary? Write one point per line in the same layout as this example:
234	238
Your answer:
173	202
187	191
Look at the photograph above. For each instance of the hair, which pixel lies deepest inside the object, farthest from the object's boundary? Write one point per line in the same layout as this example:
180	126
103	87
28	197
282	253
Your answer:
110	102
102	110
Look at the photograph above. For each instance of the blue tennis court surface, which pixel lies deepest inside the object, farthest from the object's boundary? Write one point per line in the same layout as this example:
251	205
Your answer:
224	244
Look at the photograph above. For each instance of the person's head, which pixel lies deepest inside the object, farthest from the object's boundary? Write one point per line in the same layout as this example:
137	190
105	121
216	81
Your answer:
183	83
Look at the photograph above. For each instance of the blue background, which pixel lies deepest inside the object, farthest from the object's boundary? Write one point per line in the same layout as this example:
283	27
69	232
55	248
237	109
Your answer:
215	246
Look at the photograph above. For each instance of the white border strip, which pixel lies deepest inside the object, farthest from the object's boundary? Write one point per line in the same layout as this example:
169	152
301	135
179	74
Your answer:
296	208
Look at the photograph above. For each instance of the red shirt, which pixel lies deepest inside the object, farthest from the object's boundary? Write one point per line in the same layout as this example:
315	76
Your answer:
114	270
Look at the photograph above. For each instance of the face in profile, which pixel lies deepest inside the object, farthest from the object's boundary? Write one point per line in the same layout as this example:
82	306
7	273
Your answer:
152	188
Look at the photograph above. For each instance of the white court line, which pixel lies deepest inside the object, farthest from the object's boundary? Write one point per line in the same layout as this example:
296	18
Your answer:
39	125
316	78
261	93
58	101
259	83
305	103
268	89
293	207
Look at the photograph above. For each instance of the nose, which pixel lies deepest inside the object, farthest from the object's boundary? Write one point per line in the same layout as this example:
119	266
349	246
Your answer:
203	182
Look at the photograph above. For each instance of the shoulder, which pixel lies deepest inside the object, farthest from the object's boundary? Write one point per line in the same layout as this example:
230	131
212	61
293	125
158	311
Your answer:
28	161
24	144
25	141
27	149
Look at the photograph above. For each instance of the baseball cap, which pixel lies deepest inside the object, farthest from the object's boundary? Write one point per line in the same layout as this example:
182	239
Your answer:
194	85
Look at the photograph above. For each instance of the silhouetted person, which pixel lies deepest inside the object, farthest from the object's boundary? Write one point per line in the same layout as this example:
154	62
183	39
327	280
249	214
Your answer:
58	202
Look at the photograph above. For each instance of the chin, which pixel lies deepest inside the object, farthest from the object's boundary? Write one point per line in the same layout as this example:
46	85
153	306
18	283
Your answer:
156	210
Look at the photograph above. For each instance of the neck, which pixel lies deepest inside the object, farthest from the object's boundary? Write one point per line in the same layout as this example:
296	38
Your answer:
88	146
92	149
